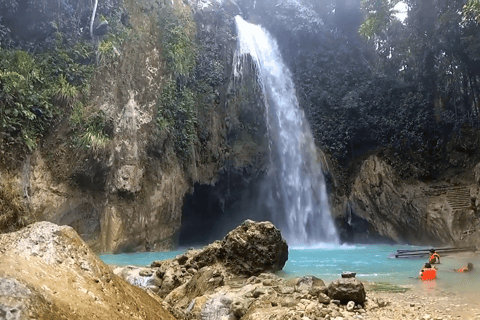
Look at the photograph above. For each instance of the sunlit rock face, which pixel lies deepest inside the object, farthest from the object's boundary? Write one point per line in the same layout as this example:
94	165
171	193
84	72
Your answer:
49	272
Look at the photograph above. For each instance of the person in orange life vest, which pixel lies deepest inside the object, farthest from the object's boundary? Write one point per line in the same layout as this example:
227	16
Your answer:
428	272
434	257
468	268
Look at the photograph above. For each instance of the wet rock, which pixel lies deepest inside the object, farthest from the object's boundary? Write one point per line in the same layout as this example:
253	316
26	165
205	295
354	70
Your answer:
156	264
323	298
347	274
146	273
347	289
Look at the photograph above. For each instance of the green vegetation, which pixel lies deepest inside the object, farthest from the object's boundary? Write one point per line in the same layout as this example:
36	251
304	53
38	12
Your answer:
89	127
35	87
178	40
386	287
107	48
94	135
409	90
379	16
177	107
177	115
471	10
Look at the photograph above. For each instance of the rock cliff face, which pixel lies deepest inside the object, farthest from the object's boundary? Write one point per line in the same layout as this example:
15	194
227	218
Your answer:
134	194
130	194
49	272
383	206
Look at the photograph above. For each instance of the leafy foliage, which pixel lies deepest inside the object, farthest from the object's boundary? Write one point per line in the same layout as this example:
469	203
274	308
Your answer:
177	107
90	127
379	16
406	88
471	10
52	72
31	84
94	135
177	115
178	35
41	20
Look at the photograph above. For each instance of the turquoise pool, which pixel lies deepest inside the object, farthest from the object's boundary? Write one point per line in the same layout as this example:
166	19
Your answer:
370	262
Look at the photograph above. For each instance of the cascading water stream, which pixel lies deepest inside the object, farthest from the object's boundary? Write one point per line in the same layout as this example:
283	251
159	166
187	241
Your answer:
295	187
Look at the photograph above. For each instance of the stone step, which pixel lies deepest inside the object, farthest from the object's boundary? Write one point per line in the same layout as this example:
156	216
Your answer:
458	198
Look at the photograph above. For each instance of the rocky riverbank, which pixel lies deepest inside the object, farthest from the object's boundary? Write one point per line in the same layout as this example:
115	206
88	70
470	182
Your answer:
423	305
48	272
204	284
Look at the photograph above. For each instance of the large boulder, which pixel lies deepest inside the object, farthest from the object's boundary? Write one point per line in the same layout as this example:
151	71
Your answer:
48	272
347	289
255	247
250	249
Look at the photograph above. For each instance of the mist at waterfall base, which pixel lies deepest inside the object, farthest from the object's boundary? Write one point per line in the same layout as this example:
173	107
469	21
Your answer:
370	262
292	194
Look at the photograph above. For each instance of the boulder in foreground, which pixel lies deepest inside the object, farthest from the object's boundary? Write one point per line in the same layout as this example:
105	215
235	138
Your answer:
255	247
48	272
347	289
249	249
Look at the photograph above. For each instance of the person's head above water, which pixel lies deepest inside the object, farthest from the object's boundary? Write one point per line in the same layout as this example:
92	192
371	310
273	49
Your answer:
427	265
470	266
432	250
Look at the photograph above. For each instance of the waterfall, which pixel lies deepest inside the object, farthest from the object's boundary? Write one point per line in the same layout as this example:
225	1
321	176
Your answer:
294	190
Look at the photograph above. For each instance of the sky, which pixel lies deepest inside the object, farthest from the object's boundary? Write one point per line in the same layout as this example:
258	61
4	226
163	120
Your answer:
401	8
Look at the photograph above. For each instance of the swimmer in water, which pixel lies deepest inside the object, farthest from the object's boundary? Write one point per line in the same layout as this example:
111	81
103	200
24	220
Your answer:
468	268
428	272
434	257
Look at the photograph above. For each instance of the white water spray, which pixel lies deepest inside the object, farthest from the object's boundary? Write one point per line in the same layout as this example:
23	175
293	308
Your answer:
298	197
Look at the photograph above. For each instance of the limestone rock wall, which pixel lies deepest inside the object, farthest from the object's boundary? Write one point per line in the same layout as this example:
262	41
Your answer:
381	206
128	196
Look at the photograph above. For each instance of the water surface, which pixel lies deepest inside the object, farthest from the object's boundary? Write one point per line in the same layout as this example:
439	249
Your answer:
370	262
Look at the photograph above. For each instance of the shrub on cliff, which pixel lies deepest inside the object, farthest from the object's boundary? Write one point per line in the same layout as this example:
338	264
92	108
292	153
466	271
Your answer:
34	88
